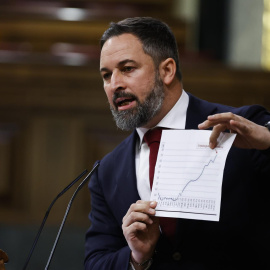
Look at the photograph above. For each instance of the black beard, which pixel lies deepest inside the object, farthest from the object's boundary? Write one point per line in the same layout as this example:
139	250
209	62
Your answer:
143	112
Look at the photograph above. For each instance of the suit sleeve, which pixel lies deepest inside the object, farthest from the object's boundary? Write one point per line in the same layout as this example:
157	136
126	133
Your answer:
260	116
261	186
105	246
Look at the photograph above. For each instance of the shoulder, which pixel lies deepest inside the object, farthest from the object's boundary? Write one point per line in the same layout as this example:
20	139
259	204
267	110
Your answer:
122	146
112	162
123	151
256	113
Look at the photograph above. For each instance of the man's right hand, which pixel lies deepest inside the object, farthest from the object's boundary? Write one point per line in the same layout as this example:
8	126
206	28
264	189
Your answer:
141	230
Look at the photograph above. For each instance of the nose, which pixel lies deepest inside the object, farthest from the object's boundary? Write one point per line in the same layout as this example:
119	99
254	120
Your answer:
117	81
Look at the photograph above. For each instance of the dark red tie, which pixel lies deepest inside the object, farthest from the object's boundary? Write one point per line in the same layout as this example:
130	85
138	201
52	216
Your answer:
152	138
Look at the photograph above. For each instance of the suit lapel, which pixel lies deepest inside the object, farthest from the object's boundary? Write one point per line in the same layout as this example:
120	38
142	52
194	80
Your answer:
197	111
125	176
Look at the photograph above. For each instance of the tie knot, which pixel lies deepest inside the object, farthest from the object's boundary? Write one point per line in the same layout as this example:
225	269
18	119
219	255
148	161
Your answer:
152	135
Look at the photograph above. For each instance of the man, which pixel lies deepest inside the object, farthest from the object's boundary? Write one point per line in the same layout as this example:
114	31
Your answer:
142	80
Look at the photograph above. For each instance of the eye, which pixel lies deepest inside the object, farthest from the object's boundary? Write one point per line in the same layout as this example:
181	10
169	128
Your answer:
106	76
128	69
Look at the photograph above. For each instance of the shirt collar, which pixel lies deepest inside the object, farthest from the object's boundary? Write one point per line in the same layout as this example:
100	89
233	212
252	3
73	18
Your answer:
174	119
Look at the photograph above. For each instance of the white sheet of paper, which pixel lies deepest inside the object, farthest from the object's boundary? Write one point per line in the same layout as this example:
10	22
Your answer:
188	174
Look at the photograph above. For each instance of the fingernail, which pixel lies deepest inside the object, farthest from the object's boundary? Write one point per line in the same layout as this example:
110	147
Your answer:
152	203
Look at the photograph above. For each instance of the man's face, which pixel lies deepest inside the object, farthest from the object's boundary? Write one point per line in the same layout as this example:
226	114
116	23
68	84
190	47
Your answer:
131	82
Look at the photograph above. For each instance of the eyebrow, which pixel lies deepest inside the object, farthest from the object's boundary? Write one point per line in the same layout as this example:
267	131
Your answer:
121	63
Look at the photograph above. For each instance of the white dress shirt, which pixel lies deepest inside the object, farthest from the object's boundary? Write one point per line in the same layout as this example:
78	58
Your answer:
175	119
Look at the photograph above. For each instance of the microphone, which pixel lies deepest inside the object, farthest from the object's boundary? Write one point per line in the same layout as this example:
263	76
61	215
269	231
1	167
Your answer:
66	213
47	214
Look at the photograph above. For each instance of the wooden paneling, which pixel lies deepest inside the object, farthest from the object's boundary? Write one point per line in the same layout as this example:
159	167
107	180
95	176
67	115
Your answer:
51	92
221	84
65	125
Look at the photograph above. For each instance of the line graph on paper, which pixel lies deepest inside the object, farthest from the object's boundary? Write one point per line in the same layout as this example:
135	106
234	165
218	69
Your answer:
188	174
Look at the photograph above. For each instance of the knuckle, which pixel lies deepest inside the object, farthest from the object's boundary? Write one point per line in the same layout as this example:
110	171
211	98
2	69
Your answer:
132	216
133	206
139	226
216	127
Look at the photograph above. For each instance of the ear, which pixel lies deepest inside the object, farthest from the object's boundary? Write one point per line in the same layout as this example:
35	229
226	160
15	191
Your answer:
167	70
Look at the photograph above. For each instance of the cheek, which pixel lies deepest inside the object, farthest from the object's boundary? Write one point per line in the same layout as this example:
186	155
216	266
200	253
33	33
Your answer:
146	87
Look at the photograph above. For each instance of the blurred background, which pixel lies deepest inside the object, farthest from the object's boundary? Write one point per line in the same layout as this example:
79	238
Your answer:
54	117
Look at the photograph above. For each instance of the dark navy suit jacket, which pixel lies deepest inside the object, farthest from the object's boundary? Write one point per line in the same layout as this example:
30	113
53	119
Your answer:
242	236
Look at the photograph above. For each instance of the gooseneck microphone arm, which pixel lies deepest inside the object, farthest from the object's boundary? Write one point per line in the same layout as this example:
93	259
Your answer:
66	213
47	214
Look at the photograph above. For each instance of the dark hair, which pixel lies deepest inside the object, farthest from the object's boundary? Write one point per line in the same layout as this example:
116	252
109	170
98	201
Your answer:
157	38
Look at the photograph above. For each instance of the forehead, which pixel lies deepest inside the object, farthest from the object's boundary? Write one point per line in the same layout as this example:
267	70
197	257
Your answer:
119	48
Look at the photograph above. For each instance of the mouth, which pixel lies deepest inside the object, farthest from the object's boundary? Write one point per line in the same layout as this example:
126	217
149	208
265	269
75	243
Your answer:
125	102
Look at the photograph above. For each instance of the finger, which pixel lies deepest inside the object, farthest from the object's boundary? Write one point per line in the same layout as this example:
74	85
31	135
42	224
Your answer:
145	207
211	123
139	206
241	128
146	202
134	228
153	204
204	125
137	217
222	117
215	134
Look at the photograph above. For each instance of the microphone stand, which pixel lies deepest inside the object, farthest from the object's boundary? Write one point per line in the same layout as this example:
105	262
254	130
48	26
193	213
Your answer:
66	213
47	214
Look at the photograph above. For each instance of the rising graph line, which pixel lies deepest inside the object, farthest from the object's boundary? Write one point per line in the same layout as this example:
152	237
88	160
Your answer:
190	181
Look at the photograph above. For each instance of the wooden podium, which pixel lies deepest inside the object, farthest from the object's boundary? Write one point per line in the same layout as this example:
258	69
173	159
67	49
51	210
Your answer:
3	259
